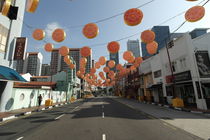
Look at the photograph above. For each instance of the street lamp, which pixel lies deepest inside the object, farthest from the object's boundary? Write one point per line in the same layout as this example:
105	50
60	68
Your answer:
170	45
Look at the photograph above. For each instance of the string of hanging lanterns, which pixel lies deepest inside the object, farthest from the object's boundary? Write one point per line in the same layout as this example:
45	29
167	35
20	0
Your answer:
132	17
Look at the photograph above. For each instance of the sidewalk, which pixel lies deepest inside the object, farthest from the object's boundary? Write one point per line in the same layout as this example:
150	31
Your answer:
197	124
21	112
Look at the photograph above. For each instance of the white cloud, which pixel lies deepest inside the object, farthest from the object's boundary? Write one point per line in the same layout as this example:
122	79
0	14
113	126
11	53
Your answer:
51	27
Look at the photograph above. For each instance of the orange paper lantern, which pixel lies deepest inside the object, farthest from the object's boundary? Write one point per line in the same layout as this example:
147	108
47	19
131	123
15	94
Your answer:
111	63
83	61
97	65
58	35
102	60
67	60
119	67
93	70
133	17
106	69
78	73
127	55
32	5
101	74
195	13
72	66
131	59
132	68
48	47
82	70
38	34
90	30
85	51
147	36
64	51
138	60
5	7
152	47
113	47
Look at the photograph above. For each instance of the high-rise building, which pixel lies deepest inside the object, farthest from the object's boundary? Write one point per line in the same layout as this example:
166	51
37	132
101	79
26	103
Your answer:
162	35
133	46
58	64
20	66
33	63
45	70
89	64
115	57
198	32
55	61
75	54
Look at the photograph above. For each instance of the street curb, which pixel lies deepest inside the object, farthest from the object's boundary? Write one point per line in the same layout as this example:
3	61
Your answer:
178	108
30	112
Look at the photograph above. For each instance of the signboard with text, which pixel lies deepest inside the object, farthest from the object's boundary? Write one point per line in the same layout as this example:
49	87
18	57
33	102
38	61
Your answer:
20	47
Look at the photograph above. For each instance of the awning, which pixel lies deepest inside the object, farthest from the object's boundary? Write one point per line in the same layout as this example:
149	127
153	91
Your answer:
8	74
153	86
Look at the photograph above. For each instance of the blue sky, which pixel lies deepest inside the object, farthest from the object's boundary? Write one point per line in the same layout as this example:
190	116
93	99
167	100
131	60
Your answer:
66	13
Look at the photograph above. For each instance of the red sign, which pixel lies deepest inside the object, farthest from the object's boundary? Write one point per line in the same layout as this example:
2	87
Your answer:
20	47
169	79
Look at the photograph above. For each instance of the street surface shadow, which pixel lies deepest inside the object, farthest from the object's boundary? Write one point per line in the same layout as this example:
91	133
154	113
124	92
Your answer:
111	109
7	133
43	121
57	113
34	117
53	111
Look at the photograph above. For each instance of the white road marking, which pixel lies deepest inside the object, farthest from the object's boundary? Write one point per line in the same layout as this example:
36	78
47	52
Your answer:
103	115
19	138
103	137
102	106
75	108
59	116
8	118
27	113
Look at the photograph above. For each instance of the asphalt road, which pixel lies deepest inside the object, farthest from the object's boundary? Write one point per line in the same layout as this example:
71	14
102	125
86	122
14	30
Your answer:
93	119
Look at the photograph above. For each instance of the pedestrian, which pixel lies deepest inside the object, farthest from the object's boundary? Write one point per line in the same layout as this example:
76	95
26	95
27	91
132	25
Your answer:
40	99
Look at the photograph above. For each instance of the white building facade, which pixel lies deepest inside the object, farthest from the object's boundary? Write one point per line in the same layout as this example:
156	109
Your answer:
190	64
9	31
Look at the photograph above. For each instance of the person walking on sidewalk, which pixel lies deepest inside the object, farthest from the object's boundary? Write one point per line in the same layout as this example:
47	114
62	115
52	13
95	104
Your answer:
40	99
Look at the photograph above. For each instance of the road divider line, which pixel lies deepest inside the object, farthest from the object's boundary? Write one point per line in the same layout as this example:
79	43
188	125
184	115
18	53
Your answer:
19	138
103	137
59	117
103	115
102	106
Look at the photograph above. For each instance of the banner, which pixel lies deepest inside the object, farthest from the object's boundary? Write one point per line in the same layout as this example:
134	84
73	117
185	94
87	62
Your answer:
20	48
203	63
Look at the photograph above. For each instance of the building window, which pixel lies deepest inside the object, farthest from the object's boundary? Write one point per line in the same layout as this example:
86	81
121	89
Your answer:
183	63
3	38
157	74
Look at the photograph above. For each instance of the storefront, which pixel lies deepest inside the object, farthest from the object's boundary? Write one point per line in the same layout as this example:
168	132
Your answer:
183	88
157	91
206	93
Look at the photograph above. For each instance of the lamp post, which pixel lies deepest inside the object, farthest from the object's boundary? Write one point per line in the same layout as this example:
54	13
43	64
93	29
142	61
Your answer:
171	44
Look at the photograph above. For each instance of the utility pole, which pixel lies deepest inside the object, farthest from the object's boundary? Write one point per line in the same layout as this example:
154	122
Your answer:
171	44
